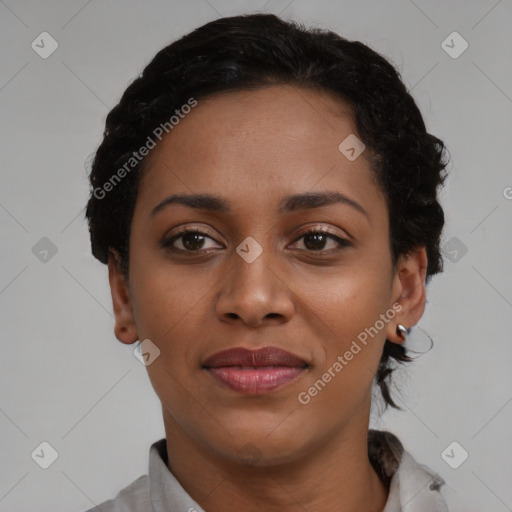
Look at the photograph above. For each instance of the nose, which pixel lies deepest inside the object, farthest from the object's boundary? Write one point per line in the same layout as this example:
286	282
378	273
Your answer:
255	293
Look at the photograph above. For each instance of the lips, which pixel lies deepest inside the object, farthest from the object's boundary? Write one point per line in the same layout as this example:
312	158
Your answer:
255	371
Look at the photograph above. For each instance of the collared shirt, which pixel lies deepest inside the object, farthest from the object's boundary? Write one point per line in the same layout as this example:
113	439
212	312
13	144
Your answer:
412	487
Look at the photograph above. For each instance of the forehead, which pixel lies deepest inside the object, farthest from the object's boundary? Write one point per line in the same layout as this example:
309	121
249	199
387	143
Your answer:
260	143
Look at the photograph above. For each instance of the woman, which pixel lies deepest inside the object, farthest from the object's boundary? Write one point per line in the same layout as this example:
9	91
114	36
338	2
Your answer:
265	197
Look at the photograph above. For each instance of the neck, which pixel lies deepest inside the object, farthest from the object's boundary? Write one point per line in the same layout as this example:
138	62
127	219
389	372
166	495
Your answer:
334	476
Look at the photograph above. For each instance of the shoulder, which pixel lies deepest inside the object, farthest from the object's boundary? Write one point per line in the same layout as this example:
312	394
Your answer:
413	486
132	498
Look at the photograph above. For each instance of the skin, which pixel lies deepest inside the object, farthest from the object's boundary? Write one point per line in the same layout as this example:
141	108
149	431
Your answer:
232	451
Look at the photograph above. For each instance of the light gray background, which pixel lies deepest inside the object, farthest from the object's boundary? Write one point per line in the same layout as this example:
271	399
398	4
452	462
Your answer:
68	381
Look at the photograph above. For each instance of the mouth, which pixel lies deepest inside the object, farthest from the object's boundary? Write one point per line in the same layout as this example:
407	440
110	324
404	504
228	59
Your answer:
255	372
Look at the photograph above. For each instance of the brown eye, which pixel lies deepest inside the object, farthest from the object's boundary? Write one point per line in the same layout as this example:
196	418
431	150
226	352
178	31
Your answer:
191	240
316	240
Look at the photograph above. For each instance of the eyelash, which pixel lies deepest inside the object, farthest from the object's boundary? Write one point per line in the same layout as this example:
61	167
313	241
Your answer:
342	242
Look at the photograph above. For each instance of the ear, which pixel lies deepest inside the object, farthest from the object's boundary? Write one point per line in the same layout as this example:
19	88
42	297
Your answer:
125	328
409	291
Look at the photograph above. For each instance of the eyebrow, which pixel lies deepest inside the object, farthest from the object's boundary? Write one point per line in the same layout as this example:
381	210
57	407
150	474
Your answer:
295	202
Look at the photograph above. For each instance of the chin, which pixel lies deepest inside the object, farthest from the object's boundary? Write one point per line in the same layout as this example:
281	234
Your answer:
265	454
262	447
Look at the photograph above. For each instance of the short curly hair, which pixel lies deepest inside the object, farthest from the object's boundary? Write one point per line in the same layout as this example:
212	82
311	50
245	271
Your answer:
258	50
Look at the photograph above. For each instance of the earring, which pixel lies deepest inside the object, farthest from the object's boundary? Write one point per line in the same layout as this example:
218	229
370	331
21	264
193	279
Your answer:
401	331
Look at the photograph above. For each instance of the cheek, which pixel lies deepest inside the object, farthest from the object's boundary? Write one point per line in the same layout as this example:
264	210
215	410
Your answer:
164	296
169	310
351	312
173	307
350	300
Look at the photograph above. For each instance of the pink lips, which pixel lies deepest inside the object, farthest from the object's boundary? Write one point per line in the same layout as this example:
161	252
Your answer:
255	371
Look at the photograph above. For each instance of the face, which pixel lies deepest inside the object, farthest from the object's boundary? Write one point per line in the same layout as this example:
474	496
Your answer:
260	266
